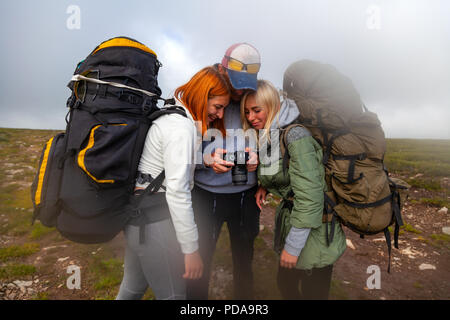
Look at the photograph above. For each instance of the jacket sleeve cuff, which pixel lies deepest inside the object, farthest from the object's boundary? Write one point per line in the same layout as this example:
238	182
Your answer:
189	247
296	240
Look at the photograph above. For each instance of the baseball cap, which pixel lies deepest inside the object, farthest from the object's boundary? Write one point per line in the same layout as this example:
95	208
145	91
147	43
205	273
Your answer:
240	60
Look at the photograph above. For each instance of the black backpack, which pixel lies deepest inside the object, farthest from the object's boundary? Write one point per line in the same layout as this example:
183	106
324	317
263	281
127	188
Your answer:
86	176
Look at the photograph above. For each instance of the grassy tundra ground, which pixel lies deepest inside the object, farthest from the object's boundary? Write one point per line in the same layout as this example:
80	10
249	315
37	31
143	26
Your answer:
34	259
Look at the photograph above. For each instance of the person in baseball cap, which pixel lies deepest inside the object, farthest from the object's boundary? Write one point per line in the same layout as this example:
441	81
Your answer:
242	62
215	198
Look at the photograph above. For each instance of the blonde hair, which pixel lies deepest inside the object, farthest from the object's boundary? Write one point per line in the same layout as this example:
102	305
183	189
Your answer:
268	98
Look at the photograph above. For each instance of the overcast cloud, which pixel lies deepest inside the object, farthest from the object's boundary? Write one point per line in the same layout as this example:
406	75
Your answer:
399	59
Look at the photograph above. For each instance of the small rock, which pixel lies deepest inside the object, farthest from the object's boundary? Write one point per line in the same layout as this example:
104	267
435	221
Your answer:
382	298
53	247
63	259
446	230
261	227
23	283
350	244
418	175
410	253
443	210
426	266
345	282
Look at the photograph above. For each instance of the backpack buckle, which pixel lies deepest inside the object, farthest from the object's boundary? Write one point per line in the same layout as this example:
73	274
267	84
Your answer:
73	102
147	104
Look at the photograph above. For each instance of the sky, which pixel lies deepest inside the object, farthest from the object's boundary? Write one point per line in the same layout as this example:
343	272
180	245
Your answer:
397	52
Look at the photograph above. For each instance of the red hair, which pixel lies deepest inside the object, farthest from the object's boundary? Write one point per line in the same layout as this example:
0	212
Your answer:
205	84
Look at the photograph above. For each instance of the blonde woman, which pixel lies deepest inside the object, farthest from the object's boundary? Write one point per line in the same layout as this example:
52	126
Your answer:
299	231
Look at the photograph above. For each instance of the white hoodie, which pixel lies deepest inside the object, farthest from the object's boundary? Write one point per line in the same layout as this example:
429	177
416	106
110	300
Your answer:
171	145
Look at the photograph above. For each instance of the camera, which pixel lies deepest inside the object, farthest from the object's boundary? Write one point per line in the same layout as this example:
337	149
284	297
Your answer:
239	170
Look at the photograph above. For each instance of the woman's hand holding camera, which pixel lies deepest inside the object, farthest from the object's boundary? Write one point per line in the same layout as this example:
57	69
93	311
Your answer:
216	162
219	165
252	163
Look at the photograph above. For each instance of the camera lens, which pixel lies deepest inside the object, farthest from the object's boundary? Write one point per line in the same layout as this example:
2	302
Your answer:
239	171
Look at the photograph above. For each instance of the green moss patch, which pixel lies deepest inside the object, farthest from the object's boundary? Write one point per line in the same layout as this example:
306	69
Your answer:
16	270
18	251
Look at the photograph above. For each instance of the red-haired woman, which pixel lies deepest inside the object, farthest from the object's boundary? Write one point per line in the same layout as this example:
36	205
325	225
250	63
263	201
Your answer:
168	253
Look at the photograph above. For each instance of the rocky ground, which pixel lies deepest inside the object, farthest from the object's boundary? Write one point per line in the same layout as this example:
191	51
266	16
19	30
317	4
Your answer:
420	267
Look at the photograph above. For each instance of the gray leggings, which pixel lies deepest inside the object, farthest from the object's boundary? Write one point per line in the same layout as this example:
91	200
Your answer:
158	263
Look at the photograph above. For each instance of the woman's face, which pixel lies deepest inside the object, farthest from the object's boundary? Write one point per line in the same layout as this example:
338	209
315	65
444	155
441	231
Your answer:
216	106
256	115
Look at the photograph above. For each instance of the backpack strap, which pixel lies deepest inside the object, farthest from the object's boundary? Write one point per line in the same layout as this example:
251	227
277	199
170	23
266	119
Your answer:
284	145
396	205
387	235
329	209
168	110
351	167
153	187
157	182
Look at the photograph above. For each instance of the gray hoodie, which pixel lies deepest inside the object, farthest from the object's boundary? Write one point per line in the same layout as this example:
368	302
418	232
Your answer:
288	113
206	178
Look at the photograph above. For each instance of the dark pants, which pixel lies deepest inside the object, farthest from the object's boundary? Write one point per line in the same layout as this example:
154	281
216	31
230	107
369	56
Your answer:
315	283
240	212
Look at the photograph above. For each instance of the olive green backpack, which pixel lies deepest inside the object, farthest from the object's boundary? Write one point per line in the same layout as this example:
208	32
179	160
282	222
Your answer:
361	194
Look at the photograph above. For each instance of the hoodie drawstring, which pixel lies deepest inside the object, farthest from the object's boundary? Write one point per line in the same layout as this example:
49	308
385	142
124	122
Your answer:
214	217
242	208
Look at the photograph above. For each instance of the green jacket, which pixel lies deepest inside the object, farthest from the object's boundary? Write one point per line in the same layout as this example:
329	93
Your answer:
305	180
